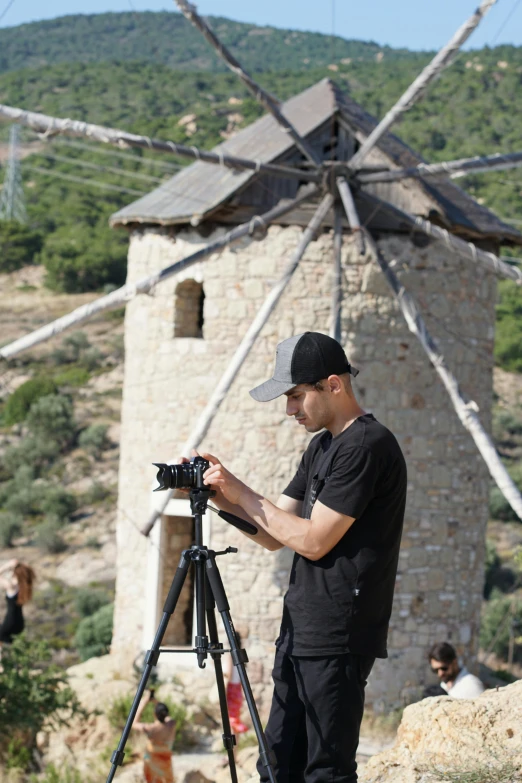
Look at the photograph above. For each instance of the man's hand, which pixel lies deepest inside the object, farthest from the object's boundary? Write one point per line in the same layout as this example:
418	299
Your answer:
221	479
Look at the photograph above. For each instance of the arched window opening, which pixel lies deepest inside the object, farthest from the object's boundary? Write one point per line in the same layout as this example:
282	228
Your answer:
189	308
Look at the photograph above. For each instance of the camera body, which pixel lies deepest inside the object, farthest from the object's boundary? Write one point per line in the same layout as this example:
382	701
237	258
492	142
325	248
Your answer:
187	475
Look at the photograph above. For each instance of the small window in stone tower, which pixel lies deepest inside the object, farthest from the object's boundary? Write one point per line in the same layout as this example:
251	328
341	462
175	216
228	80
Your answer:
188	313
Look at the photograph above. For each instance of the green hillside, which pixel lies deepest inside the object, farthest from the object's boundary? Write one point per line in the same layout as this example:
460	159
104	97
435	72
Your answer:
168	38
473	109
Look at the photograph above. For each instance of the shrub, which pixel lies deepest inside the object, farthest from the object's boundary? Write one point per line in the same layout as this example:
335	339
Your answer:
499	508
20	401
18	245
94	439
58	502
94	634
508	333
84	260
495	623
119	709
88	602
48	536
34	452
30	679
96	493
63	775
10	527
17	755
52	417
72	376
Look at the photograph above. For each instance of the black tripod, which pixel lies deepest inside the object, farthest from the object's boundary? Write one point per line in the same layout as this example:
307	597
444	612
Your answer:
209	594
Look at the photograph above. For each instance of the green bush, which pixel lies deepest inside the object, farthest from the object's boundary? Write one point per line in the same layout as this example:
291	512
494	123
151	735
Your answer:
17	755
72	376
499	508
41	687
94	634
63	775
84	259
58	502
495	623
10	527
119	709
18	245
35	452
88	601
52	417
508	333
48	536
95	494
20	401
94	439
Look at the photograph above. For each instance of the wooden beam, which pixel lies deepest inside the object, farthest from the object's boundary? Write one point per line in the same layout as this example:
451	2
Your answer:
265	99
463	249
337	287
50	126
441	60
122	295
467	411
351	213
207	416
451	168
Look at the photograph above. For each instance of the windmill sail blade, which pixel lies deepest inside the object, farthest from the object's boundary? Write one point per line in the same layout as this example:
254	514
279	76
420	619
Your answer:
459	246
50	126
441	60
466	411
122	295
351	213
337	287
245	346
451	168
266	100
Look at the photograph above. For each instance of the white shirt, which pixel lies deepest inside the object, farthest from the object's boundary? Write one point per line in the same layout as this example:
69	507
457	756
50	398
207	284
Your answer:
465	686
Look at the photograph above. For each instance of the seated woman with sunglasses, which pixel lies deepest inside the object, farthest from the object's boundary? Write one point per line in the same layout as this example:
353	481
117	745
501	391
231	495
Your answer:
455	680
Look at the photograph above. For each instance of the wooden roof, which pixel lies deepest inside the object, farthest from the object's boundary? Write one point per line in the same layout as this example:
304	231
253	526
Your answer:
203	190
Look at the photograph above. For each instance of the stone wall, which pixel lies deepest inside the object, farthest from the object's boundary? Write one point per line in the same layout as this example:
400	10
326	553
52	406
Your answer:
168	381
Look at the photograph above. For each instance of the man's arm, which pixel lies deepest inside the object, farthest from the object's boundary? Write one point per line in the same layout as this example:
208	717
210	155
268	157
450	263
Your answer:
263	538
313	538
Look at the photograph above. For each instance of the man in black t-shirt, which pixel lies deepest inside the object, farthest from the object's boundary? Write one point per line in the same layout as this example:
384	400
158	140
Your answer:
342	515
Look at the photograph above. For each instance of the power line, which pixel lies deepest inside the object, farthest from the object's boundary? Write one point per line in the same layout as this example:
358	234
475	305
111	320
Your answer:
6	9
124	156
506	20
96	167
82	181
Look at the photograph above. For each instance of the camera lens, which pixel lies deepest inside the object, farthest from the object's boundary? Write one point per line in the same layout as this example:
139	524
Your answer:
175	476
182	476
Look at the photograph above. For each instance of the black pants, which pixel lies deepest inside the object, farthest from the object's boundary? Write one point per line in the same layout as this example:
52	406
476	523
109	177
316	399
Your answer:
316	713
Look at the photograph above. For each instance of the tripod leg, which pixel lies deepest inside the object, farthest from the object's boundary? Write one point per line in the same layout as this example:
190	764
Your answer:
151	659
239	658
201	641
229	739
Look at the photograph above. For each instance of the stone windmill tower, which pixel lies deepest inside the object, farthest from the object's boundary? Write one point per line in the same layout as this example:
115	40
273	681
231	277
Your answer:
399	232
180	340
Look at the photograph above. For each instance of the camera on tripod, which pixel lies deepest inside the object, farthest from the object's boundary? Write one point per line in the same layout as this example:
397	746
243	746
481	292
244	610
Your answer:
187	475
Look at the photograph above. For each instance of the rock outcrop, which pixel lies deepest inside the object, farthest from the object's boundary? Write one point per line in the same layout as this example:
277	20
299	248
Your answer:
441	737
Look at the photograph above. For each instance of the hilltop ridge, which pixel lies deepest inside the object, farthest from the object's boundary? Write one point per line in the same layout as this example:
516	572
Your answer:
168	38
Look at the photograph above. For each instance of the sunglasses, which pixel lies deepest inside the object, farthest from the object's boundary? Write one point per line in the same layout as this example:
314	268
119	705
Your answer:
438	669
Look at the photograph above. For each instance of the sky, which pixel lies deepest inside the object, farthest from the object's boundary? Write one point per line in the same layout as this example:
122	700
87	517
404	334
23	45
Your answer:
413	24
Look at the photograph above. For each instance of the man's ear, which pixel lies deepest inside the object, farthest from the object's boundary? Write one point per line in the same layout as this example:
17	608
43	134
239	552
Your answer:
335	383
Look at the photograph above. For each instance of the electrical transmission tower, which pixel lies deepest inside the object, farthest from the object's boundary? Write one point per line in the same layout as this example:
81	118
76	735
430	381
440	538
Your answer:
12	201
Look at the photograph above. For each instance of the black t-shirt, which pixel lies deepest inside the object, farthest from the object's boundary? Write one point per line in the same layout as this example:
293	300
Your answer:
342	602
